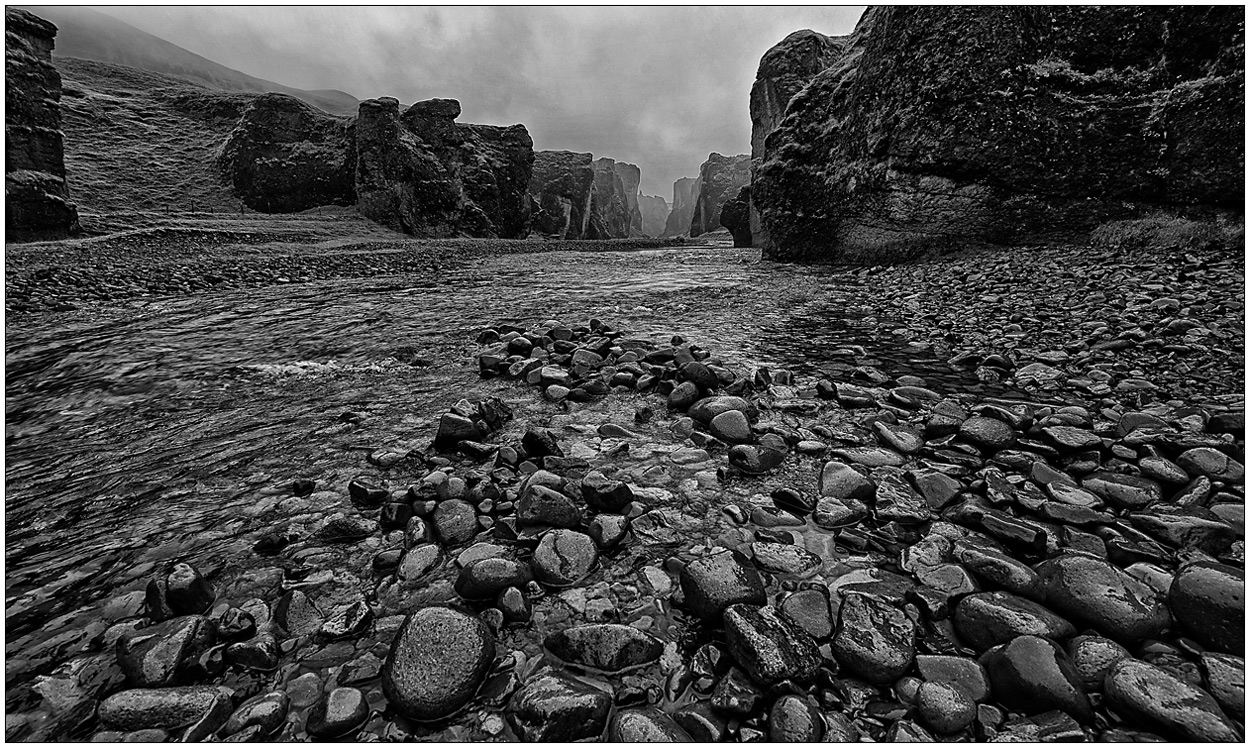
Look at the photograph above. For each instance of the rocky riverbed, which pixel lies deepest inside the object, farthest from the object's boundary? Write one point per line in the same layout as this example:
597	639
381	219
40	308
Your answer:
1014	509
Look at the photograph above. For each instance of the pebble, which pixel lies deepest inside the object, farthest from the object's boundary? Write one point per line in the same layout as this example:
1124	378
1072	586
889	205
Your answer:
1209	601
439	658
1225	677
1094	592
840	481
731	426
944	707
155	656
989	434
558	709
1124	491
767	646
965	674
340	713
1033	675
167	708
563	557
874	639
486	578
542	505
713	583
1179	710
782	558
810	610
1093	657
793	719
987	619
645	725
1211	463
610	647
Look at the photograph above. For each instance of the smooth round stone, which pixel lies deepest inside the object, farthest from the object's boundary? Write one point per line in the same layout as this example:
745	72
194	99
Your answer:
709	407
187	592
944	707
645	725
563	557
1094	592
558	709
514	605
794	720
166	708
833	513
1225	677
1093	657
1178	709
1209	601
840	481
874	639
485	578
987	433
608	530
154	656
731	426
963	673
1123	491
610	647
754	460
1212	463
455	522
714	582
703	723
439	658
543	505
342	711
870	456
683	396
768	646
899	438
782	558
418	562
1033	675
810	610
986	619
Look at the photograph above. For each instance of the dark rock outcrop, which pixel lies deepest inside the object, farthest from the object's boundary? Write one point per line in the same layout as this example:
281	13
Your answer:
720	178
784	70
682	209
561	186
654	211
423	173
609	212
284	156
36	197
1006	125
735	215
631	177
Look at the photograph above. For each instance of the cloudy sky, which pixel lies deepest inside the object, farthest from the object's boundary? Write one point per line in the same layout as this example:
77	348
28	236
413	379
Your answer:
657	86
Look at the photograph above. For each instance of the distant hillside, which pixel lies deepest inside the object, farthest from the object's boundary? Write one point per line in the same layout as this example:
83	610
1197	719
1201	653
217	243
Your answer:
91	35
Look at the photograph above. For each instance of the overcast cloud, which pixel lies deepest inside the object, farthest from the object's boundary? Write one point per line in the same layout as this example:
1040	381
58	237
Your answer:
660	87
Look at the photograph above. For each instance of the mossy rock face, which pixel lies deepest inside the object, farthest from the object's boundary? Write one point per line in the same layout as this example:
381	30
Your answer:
1004	125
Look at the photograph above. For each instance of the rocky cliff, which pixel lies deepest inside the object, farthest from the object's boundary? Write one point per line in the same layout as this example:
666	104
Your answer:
561	186
36	197
735	215
720	178
654	211
425	174
682	209
609	212
1006	125
784	70
631	177
284	156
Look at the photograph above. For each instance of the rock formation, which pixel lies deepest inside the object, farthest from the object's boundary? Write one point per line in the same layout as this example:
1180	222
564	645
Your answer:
720	178
561	186
425	174
1006	125
735	215
654	211
783	72
682	210
631	177
36	197
609	214
284	156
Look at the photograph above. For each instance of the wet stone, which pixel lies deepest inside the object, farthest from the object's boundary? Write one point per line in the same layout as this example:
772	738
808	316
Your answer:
605	495
1093	591
417	563
156	655
898	501
344	529
965	674
555	708
608	530
1211	463
840	481
736	693
987	433
296	614
731	426
1209	601
897	437
873	639
1225	677
1187	528
258	653
645	725
485	578
563	557
166	708
944	707
514	605
986	619
936	488
870	456
187	592
1123	491
768	646
708	408
1093	657
781	558
810	610
437	661
365	492
999	569
341	712
1033	675
702	723
755	460
793	719
713	583
834	513
609	647
1176	708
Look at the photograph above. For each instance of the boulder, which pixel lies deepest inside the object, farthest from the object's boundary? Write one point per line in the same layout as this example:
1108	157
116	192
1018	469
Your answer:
285	156
720	178
36	197
1056	120
558	709
682	210
1094	592
561	185
423	173
784	70
1033	675
439	658
1180	710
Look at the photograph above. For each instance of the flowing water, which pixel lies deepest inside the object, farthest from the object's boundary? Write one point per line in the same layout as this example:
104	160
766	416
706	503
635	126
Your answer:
147	432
